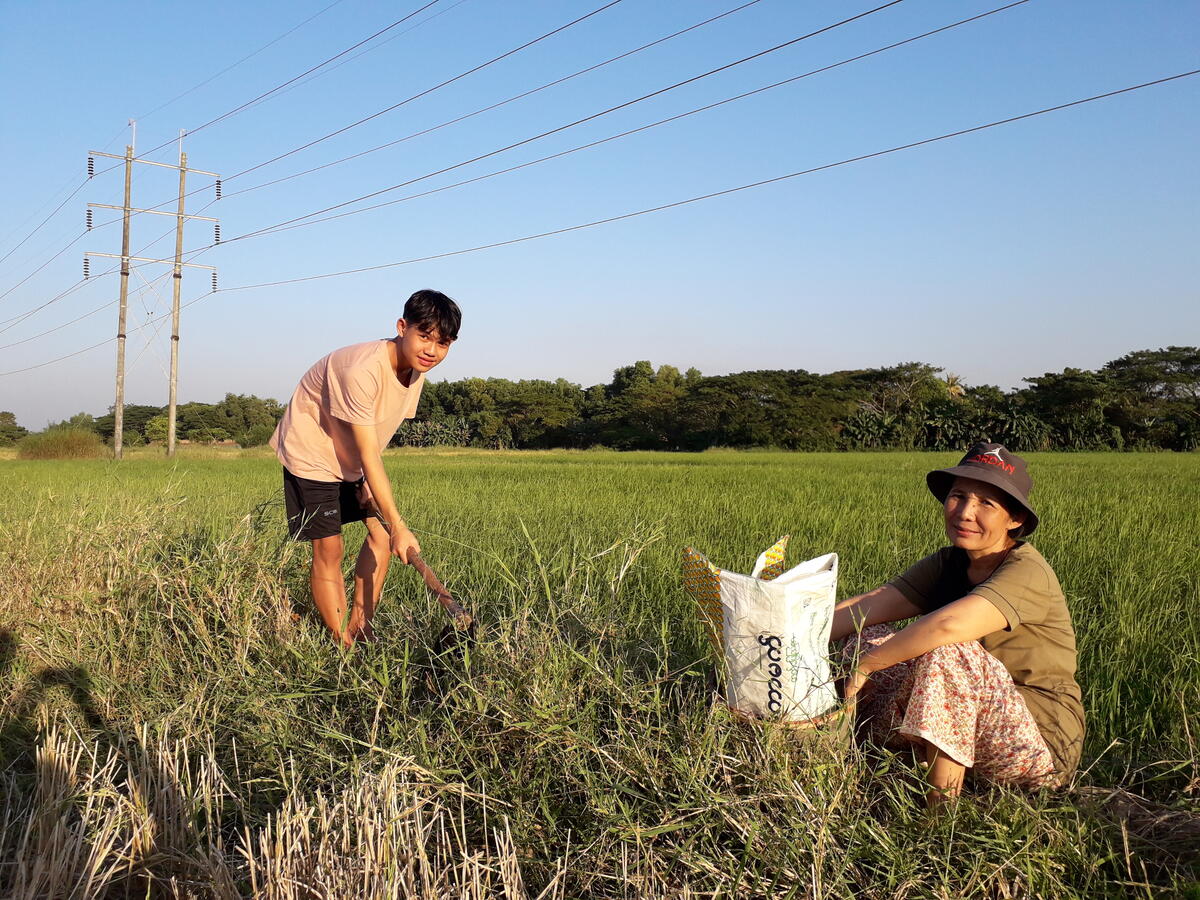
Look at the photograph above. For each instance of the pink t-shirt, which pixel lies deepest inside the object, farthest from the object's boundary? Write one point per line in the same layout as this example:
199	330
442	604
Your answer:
352	386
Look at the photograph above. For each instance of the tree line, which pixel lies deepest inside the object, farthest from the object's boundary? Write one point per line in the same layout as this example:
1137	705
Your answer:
244	419
1147	399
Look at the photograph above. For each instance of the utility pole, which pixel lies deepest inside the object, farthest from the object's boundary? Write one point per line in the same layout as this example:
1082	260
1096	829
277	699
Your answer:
176	280
177	263
119	403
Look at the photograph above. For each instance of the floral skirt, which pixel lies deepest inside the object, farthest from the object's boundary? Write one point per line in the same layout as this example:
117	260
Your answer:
960	699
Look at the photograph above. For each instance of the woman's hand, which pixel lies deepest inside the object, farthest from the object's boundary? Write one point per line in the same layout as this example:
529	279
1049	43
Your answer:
859	686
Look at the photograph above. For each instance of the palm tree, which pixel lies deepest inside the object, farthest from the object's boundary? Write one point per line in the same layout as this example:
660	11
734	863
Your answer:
954	386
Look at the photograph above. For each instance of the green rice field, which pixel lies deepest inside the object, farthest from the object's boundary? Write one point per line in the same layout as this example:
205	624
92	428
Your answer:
175	721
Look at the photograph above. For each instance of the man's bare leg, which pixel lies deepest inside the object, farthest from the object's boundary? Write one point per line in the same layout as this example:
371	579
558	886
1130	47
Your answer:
328	588
369	574
945	777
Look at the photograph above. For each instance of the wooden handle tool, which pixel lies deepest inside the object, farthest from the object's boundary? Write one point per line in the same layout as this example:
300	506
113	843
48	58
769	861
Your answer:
463	620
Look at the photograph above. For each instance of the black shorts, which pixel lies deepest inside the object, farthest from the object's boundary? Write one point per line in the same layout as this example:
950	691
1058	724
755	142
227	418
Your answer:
319	509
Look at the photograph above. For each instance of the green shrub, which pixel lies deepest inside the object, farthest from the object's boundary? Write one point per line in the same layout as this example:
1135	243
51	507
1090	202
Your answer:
255	436
10	431
156	430
62	443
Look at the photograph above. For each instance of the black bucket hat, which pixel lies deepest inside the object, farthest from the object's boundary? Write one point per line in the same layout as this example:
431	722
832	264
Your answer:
993	464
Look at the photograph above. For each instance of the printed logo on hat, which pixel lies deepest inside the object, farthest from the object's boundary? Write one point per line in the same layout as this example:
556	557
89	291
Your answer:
992	458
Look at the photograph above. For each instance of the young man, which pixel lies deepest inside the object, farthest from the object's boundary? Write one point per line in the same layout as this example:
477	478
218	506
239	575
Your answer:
343	413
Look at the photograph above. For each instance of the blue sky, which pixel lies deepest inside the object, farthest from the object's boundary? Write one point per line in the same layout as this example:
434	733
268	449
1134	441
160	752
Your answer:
1064	240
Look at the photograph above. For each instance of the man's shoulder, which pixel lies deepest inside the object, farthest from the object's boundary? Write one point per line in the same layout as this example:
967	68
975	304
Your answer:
367	352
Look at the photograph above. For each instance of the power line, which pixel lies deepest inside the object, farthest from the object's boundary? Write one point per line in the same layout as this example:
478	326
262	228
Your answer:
158	325
666	206
727	191
57	358
61	251
45	220
632	131
85	181
246	58
409	100
101	308
520	96
192	256
280	87
18	319
56	209
589	118
366	50
93	346
319	65
21	317
292	223
436	87
71	244
62	295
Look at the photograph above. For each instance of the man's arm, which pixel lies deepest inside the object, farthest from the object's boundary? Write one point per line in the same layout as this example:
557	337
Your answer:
884	604
367	444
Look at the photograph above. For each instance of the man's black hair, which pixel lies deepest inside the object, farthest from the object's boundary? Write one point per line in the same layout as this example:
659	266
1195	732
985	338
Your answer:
433	310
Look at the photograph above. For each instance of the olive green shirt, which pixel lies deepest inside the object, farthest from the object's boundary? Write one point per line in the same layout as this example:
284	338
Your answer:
1038	646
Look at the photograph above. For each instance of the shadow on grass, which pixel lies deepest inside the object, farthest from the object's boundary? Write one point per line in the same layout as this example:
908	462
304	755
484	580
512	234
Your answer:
50	793
19	730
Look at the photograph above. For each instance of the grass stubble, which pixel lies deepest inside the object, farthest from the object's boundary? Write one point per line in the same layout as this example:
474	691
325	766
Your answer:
174	721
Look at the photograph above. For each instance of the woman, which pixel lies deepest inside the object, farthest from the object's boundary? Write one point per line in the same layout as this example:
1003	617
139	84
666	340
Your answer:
984	678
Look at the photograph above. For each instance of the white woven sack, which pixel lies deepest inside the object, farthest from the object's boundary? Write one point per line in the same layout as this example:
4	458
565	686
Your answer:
776	636
774	628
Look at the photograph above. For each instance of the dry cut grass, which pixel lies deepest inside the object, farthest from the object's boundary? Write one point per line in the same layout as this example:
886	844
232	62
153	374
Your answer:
145	817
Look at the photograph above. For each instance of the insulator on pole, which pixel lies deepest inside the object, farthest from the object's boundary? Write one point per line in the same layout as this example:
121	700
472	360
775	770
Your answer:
91	166
216	233
89	220
86	270
214	279
218	188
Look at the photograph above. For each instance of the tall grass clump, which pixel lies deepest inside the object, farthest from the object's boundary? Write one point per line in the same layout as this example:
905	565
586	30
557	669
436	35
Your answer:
174	720
62	443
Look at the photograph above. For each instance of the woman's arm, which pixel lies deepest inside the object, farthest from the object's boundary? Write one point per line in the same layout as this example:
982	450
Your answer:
967	619
884	604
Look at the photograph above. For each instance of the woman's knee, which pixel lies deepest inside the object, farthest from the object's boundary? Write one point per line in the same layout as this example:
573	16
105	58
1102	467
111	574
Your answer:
955	661
966	650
